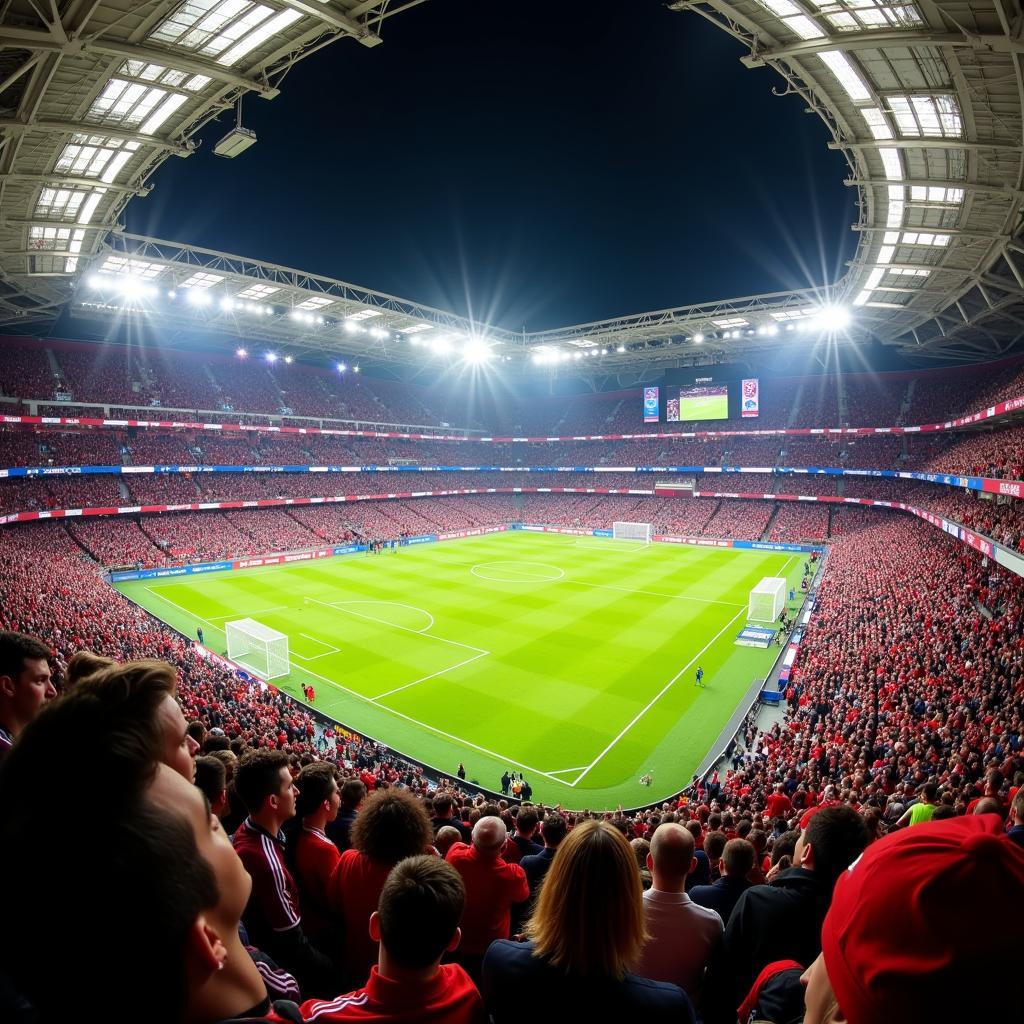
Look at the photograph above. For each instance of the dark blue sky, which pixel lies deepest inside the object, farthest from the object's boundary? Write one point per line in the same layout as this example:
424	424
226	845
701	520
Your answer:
579	160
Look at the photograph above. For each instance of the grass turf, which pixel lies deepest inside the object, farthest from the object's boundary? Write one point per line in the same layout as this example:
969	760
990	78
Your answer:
571	660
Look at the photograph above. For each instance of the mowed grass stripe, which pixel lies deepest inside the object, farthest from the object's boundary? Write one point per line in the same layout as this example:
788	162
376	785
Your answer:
569	665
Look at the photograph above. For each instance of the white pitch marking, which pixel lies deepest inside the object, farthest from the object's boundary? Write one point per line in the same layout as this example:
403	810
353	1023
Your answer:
647	707
524	577
259	611
654	593
423	679
396	604
393	625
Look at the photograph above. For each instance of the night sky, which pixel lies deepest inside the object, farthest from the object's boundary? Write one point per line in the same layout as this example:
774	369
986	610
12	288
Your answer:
536	167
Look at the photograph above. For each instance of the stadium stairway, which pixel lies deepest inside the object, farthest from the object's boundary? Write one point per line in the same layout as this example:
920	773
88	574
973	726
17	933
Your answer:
770	525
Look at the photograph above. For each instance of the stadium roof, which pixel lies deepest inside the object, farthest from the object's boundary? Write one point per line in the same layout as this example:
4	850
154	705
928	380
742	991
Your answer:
926	107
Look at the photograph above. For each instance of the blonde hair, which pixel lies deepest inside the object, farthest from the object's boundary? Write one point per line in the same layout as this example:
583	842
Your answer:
589	918
83	664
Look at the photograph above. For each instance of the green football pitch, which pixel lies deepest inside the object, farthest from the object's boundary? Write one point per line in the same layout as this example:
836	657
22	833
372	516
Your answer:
569	659
703	407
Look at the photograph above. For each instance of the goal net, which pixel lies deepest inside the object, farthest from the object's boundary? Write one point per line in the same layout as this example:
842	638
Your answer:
632	531
258	647
767	599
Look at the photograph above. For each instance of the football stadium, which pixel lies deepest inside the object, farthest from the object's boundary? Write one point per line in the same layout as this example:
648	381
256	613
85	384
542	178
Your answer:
416	649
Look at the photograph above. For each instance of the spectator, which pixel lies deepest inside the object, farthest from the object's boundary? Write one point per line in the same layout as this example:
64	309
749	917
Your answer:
147	851
353	793
444	816
391	826
779	805
446	838
493	887
537	865
26	684
577	962
273	916
416	923
782	921
1016	832
923	810
212	781
916	922
315	857
82	664
681	934
521	843
721	896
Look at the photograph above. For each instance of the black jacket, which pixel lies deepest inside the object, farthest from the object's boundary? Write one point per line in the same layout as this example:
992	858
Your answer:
780	921
721	896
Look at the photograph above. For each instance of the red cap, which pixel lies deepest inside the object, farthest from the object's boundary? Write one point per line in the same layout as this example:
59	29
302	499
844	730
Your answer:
925	926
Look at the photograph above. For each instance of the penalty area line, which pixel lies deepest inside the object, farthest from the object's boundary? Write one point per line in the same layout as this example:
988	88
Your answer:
654	700
439	672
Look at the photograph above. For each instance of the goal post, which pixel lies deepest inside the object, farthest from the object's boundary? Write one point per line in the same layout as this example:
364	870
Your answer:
767	599
632	531
258	647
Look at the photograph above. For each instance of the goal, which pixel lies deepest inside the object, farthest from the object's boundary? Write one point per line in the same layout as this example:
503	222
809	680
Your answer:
258	647
632	531
767	599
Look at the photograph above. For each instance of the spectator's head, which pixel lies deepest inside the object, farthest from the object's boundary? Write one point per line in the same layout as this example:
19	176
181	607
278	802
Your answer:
553	830
581	935
265	786
489	836
353	793
714	844
738	858
834	838
417	918
442	806
916	922
671	858
25	680
785	846
391	826
145	850
318	794
527	821
177	749
1018	807
82	664
447	836
988	805
212	780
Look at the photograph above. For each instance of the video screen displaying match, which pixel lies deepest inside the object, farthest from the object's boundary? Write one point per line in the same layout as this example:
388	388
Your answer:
699	402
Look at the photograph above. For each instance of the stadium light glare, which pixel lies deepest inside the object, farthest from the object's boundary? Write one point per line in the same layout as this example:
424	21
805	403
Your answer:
288	359
271	357
241	353
772	331
355	369
227	303
352	327
95	281
172	295
832	318
698	338
342	367
477	352
197	297
621	348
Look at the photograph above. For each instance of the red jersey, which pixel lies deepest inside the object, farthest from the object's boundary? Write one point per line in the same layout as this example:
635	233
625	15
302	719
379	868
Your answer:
274	902
451	998
492	886
316	857
353	893
779	806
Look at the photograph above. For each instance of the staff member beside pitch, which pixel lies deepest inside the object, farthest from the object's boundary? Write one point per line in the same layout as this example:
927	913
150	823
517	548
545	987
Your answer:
700	676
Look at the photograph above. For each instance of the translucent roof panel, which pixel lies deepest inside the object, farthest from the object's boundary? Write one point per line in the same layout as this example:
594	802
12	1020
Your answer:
95	156
137	268
223	29
258	291
935	117
202	280
415	328
158	74
794	19
60	203
47	237
869	15
125	104
847	76
936	194
731	321
367	314
315	302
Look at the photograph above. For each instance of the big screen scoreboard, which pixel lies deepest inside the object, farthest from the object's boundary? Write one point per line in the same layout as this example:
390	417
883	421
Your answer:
706	398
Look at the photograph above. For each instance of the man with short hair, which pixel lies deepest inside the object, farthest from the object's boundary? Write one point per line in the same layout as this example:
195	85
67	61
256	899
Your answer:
782	920
352	794
315	856
721	896
536	865
493	886
272	916
521	843
683	935
923	809
26	683
212	779
444	817
1016	831
416	923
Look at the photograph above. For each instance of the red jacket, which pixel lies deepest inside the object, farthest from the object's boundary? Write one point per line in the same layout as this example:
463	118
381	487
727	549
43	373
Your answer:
492	886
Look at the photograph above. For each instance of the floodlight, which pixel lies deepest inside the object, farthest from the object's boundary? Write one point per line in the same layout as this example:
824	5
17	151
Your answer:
95	281
698	338
762	329
832	318
241	353
355	369
604	351
227	303
477	351
342	367
172	294
271	357
621	348
288	359
352	327
198	297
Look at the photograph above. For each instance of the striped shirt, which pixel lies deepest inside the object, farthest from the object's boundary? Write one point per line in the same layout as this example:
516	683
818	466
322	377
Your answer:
274	902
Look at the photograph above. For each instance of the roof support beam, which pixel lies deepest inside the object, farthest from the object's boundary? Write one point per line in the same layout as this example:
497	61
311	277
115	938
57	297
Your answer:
876	40
875	144
12	126
335	20
957	232
967	186
59	180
